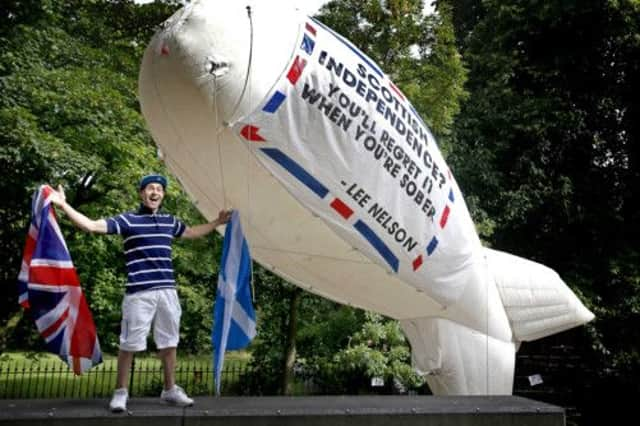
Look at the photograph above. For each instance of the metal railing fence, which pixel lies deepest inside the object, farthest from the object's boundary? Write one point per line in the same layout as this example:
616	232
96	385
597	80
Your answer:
53	379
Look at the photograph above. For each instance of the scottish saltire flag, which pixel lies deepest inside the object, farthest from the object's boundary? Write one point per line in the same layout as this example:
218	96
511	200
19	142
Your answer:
49	287
234	320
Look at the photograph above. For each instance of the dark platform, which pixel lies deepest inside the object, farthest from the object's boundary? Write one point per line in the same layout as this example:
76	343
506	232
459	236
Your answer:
290	411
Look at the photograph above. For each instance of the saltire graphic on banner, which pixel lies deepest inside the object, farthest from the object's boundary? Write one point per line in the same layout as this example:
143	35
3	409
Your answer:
49	288
234	319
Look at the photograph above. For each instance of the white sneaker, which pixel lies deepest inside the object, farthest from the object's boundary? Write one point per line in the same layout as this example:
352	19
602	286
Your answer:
177	396
118	402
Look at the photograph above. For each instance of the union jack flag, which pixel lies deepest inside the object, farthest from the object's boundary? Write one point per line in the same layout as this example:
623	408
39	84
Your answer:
49	287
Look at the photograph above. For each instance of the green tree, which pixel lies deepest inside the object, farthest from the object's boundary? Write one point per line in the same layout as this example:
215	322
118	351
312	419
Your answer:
377	350
68	74
296	330
269	349
418	52
546	148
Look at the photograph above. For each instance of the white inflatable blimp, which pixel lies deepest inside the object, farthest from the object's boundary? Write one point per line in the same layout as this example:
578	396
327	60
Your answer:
341	185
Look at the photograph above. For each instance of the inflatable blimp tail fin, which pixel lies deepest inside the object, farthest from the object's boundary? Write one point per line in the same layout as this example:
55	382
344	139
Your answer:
537	302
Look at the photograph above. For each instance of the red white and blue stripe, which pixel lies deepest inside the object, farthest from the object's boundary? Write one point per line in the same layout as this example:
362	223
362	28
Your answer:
50	289
295	71
313	184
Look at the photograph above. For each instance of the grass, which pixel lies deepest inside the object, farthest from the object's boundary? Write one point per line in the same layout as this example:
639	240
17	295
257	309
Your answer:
28	375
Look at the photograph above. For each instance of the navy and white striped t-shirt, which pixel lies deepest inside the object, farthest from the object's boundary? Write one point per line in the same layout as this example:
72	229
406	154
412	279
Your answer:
147	247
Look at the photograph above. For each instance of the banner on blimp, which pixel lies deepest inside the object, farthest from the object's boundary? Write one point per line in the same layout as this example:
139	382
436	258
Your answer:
344	140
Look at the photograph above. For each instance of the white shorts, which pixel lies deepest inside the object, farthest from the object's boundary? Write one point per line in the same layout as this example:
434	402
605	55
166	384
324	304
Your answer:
160	307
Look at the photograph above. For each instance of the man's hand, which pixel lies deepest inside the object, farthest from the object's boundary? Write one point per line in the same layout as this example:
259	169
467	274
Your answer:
58	197
224	216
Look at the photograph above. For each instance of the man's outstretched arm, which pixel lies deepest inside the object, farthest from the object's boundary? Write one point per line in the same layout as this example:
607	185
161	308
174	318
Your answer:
81	221
202	230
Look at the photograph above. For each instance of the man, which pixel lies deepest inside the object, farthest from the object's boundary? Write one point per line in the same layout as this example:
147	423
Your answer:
150	295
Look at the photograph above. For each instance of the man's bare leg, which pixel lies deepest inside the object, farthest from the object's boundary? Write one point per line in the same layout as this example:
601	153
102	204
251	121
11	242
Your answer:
125	358
118	402
168	357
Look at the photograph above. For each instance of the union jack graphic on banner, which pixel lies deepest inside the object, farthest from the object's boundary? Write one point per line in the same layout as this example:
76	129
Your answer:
49	287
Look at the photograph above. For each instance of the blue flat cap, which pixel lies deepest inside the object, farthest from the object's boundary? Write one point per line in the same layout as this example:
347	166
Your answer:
146	180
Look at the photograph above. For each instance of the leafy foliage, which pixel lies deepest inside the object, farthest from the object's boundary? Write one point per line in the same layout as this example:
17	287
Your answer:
268	349
378	350
68	77
547	146
418	52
